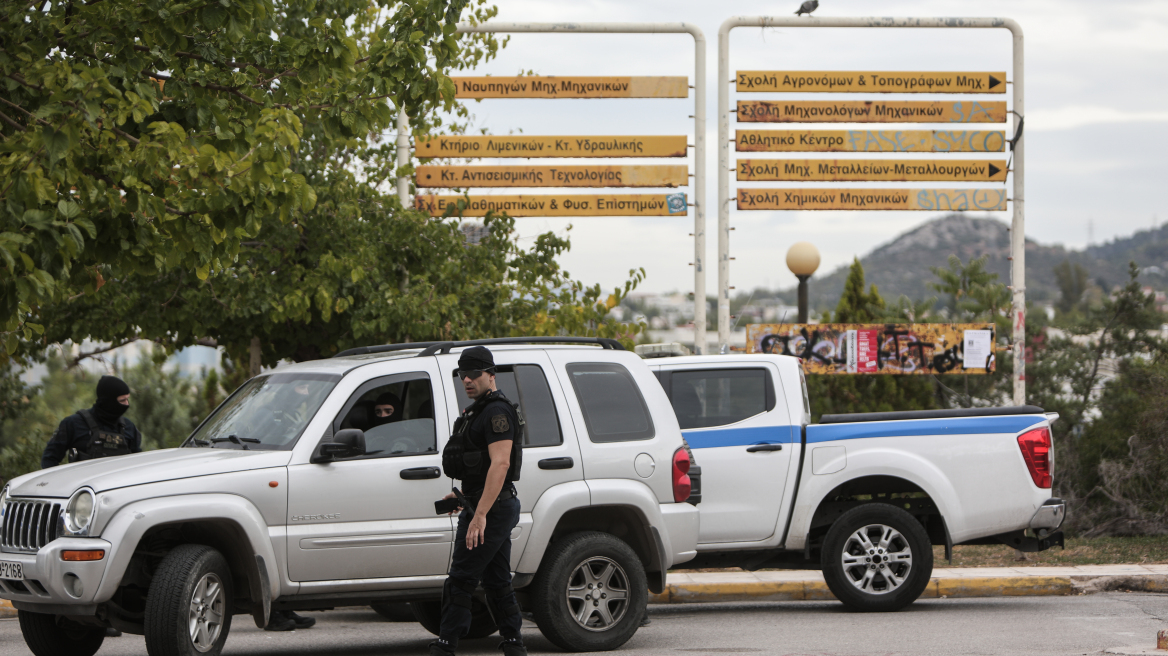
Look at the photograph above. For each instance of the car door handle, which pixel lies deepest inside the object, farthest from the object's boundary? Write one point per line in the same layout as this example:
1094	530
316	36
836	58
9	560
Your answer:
420	473
555	463
764	447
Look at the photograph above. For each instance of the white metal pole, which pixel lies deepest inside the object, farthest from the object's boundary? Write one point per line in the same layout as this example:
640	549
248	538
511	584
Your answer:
699	190
1018	225
403	157
724	187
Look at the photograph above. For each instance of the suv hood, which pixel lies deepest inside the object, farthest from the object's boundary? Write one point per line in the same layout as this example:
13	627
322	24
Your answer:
139	468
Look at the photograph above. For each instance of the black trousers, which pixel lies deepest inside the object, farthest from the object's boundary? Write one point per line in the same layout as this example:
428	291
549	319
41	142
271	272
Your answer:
489	564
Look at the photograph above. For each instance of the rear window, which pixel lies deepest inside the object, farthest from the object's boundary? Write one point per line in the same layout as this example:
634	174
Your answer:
717	397
614	410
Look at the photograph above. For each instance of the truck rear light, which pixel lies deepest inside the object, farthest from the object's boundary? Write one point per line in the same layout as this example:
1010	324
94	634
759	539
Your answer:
1035	447
681	482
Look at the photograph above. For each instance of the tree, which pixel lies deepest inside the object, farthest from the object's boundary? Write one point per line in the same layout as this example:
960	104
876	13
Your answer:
970	288
147	138
1072	281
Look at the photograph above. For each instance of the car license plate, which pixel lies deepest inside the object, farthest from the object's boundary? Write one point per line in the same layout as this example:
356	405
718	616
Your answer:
11	571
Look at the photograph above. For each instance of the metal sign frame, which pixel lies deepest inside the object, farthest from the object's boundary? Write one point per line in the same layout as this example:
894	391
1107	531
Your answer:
699	116
1018	225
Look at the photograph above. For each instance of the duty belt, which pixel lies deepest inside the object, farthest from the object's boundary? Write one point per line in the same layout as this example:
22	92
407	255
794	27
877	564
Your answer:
507	493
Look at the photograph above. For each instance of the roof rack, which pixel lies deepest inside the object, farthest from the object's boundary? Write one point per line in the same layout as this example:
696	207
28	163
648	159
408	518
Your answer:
385	348
444	347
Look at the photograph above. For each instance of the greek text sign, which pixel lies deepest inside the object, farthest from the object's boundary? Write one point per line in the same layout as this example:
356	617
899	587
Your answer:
852	170
595	146
547	86
870	141
553	176
869	82
559	205
871	111
848	348
986	200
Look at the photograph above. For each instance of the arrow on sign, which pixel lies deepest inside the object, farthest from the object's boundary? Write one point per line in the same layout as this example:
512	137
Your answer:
994	170
994	81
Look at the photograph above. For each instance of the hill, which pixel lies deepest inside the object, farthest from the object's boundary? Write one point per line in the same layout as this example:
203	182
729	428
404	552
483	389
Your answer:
902	266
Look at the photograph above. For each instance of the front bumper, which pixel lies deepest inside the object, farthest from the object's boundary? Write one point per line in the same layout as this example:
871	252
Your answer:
1049	516
45	573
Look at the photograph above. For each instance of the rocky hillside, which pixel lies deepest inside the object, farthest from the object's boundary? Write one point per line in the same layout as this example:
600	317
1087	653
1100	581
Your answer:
902	266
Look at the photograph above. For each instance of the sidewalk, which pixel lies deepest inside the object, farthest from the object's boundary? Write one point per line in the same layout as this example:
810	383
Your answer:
802	585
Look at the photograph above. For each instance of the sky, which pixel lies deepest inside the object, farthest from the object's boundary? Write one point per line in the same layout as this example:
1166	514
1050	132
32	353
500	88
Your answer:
1096	128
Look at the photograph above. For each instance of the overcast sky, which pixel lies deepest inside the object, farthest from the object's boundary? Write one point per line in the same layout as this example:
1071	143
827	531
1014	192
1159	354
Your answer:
1096	119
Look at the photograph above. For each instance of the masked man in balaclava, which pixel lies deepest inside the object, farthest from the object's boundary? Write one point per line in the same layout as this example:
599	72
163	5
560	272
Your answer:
386	410
96	432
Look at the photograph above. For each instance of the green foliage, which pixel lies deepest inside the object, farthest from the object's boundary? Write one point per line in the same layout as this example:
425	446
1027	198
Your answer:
154	138
164	405
1072	281
838	394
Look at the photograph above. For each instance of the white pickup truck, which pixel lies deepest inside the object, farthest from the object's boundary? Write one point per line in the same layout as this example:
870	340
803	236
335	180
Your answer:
862	497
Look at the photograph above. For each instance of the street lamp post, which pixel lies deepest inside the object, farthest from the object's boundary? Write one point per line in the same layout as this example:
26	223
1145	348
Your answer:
803	260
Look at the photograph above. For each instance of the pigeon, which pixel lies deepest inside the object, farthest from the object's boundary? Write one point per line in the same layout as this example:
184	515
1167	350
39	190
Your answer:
807	7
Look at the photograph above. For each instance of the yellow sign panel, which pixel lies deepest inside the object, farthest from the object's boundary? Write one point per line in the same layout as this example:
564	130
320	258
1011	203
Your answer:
871	111
849	348
881	170
558	205
553	176
596	146
575	86
933	200
870	141
869	82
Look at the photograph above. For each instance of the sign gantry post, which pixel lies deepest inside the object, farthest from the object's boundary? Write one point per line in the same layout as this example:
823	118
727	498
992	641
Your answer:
879	111
660	88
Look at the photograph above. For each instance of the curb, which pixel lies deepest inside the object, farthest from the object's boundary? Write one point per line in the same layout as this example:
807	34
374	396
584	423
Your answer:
6	610
1005	586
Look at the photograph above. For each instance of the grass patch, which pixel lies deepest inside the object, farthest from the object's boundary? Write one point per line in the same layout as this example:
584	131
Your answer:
1079	551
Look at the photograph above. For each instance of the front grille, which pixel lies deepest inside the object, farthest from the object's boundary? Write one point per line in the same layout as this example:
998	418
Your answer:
29	525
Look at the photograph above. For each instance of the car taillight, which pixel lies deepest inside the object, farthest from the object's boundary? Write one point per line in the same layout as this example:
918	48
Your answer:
1035	447
681	482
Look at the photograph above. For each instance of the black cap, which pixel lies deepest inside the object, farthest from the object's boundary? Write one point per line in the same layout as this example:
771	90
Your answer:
111	387
476	357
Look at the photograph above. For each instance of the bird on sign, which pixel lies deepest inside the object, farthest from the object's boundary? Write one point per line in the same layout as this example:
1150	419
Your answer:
807	7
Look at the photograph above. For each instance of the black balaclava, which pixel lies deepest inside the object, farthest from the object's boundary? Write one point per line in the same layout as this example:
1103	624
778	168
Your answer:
388	398
109	388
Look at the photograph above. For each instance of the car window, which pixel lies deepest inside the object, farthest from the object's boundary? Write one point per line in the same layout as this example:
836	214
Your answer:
265	413
396	413
526	385
614	410
717	397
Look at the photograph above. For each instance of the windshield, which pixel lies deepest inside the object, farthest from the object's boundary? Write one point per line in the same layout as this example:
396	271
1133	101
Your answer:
267	412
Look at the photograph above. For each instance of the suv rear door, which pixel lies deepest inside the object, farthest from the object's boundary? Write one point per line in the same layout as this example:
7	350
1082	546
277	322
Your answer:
736	421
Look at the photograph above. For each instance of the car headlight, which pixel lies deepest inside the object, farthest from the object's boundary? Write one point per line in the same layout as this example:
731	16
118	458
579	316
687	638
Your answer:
3	502
79	512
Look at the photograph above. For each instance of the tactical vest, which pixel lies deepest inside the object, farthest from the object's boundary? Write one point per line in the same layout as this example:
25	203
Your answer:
462	458
103	443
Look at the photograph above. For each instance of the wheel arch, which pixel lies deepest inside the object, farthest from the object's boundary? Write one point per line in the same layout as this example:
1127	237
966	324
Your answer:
626	523
892	490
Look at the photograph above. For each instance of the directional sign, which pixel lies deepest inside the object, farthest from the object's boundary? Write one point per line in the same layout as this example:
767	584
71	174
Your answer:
933	200
882	170
871	111
547	86
560	205
870	141
553	176
595	146
869	82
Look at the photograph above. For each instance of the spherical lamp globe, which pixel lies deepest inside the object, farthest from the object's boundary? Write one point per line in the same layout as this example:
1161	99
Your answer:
803	258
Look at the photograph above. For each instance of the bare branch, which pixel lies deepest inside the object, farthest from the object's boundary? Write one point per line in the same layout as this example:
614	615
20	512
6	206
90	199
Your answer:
76	361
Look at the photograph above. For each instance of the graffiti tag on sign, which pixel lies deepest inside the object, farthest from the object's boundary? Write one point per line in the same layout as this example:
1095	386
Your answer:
849	348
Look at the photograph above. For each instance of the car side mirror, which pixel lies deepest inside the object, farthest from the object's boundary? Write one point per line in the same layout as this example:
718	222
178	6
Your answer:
345	444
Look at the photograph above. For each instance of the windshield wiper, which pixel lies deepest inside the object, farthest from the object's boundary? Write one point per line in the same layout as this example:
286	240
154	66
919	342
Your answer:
234	439
197	442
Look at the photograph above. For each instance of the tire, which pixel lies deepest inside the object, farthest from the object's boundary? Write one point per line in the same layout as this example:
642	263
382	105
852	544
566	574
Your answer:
192	588
429	615
877	558
564	586
45	635
393	611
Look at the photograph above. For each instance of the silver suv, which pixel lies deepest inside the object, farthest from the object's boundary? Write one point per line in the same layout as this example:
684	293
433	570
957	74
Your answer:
290	497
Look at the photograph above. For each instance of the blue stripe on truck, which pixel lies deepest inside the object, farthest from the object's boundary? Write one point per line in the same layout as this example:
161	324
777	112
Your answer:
709	439
915	427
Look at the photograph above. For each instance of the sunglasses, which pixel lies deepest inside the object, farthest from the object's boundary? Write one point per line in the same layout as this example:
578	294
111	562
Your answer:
472	374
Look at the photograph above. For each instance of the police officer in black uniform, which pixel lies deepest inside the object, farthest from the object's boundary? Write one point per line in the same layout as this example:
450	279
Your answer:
96	432
485	453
